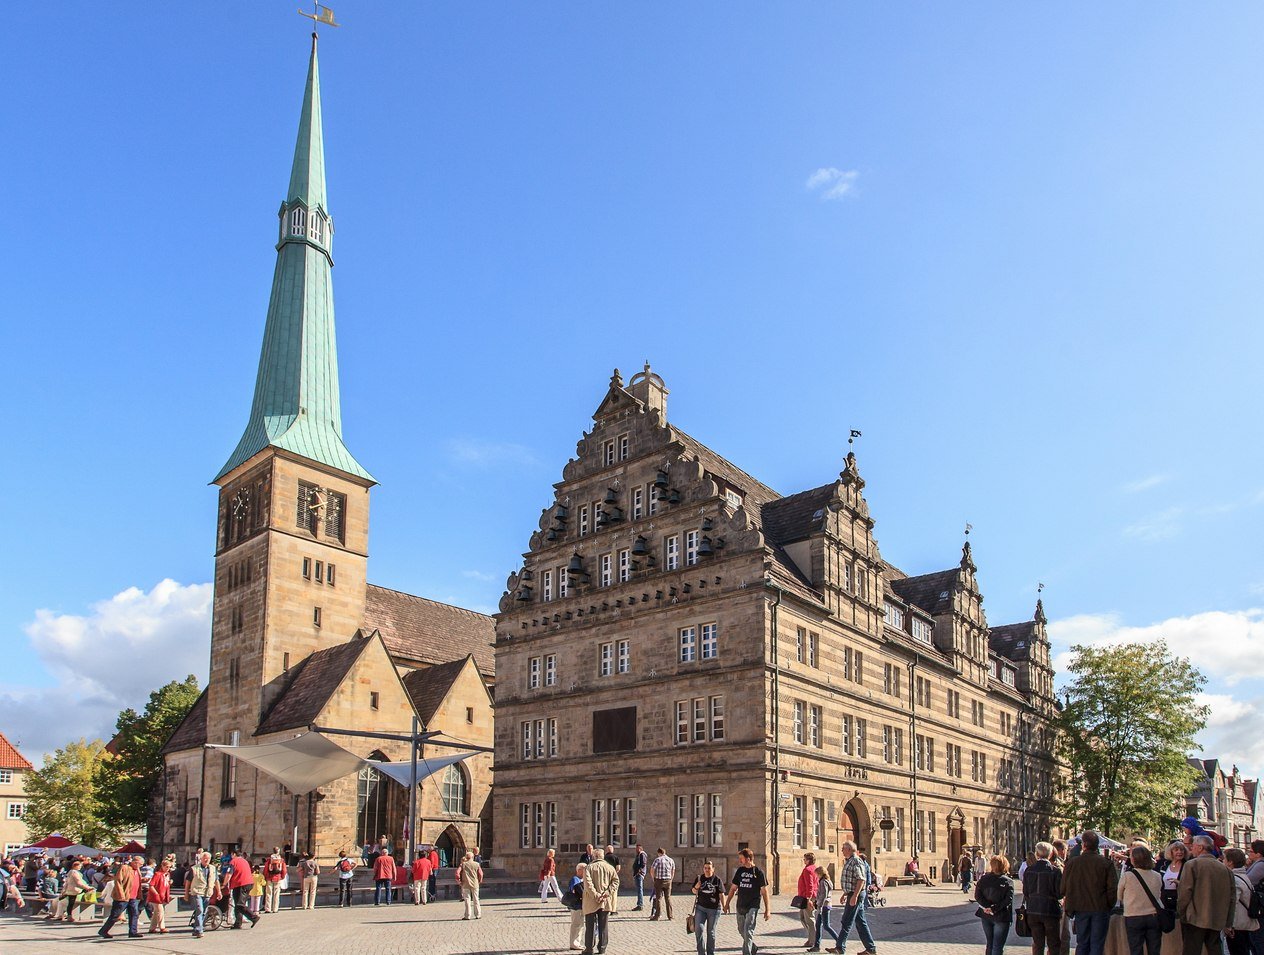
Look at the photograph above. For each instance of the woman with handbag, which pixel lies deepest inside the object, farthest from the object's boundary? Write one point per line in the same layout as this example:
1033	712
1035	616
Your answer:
805	900
708	888
1176	855
995	894
1139	891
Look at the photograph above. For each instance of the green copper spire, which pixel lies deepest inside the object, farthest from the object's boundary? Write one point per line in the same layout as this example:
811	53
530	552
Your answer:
296	405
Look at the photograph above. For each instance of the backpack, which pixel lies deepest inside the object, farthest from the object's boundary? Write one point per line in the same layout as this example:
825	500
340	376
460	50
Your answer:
1255	907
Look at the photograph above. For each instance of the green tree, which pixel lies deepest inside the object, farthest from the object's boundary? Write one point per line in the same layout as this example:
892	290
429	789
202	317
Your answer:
62	796
1130	720
126	781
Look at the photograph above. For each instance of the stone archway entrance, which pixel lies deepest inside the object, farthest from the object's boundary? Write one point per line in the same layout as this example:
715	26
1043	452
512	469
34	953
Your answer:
855	824
451	846
956	843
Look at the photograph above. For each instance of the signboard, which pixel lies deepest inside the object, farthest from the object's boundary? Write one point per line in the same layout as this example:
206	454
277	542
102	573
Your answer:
886	825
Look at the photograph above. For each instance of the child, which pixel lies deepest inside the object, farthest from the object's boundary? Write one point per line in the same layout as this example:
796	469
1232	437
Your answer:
256	889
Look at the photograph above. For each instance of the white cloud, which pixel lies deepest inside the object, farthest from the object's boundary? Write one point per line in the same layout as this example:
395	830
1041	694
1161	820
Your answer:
1232	734
478	575
1226	645
485	454
1144	484
1156	527
833	183
106	660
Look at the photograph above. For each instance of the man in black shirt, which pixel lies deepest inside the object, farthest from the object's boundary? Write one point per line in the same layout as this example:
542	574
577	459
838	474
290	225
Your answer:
750	886
639	865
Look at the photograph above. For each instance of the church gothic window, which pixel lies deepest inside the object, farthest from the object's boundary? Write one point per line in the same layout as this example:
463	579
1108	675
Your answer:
298	222
454	790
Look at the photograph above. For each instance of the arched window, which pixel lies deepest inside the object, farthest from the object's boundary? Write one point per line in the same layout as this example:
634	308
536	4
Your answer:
370	805
454	790
298	219
316	228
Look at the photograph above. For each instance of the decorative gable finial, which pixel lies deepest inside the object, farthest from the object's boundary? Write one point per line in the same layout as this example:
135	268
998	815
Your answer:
850	475
616	380
1040	611
967	556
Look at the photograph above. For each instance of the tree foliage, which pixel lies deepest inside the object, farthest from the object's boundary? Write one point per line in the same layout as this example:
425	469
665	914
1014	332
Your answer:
125	782
1130	720
62	796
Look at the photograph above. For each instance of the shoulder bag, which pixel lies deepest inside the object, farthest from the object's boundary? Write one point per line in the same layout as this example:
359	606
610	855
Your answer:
1021	927
1167	918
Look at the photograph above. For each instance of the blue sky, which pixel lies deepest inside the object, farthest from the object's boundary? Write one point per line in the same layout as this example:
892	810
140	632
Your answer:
1018	247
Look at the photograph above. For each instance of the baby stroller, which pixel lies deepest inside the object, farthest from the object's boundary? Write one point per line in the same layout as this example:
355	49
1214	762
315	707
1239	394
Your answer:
875	898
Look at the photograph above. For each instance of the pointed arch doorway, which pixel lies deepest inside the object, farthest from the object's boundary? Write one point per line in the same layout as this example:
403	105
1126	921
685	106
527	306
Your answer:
450	846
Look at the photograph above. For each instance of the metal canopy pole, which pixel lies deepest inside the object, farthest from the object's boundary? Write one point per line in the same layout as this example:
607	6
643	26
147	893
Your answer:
427	737
412	797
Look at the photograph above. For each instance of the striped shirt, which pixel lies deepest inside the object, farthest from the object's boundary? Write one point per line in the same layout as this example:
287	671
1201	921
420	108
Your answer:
663	867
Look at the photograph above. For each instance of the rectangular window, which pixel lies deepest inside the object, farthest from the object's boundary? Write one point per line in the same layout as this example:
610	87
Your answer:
17	810
886	744
527	748
638	503
919	751
732	498
922	630
847	731
329	574
616	822
799	812
862	738
800	641
847	576
547	578
922	691
710	641
607	659
540	728
563	582
797	721
682	821
608	453
688	644
316	616
599	822
552	737
320	571
550	670
717	819
886	833
539	825
818	823
717	718
629	814
983	768
919	831
974	765
858	672
930	831
533	673
583	520
691	548
899	828
814	643
375	700
682	721
653	499
623	456
899	746
307	568
624	655
625	566
893	616
607	562
700	720
671	552
524	817
228	782
814	726
6	777
930	755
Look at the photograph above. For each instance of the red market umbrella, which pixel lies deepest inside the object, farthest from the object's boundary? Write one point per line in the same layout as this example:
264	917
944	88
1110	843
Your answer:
55	841
132	848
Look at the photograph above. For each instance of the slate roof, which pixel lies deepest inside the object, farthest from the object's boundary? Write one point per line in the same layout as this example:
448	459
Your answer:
416	628
931	592
10	758
310	687
793	518
757	493
427	688
191	733
1012	640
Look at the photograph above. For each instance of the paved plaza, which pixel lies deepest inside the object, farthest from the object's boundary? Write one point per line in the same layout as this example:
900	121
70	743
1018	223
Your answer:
916	921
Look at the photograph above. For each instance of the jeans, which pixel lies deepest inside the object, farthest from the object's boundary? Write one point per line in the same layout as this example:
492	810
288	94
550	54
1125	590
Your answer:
705	920
994	935
1090	932
200	902
855	915
381	887
965	881
1144	936
117	908
344	892
1257	941
639	879
1239	943
823	925
596	923
1046	930
434	886
241	902
746	921
1195	940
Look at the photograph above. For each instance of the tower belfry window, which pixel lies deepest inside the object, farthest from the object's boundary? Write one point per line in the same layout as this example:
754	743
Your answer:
298	222
316	229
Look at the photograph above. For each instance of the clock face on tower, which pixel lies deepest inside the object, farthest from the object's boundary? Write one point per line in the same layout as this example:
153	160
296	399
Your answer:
241	504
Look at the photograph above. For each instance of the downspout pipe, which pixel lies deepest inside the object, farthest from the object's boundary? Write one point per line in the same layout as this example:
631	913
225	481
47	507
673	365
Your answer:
774	852
912	668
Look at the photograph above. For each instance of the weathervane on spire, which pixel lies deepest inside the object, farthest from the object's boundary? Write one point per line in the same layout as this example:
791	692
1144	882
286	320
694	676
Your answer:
323	15
851	438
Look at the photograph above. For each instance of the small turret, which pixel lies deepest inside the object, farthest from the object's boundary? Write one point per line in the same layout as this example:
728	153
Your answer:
649	389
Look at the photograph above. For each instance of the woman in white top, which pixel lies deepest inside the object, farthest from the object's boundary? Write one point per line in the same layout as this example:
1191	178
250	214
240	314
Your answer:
1137	887
1177	854
1239	937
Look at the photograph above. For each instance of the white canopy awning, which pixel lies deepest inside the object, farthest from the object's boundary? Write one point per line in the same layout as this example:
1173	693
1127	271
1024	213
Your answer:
312	760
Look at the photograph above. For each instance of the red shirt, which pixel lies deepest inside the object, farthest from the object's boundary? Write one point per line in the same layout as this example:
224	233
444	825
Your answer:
384	867
242	873
133	891
274	869
808	881
421	869
434	860
548	867
160	887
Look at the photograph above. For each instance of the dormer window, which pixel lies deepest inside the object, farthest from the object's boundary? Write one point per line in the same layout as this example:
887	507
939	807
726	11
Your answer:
298	222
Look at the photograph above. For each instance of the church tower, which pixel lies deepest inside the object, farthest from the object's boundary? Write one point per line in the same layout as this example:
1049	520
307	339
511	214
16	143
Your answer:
291	546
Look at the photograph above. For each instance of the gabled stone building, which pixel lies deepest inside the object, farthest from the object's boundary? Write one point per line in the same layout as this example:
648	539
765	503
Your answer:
298	635
689	659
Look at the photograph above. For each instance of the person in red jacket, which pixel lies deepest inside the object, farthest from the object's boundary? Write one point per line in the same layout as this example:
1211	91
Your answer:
159	896
383	876
421	879
240	879
434	874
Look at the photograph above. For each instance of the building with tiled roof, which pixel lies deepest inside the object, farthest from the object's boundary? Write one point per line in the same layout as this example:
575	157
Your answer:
1224	801
708	655
14	768
299	637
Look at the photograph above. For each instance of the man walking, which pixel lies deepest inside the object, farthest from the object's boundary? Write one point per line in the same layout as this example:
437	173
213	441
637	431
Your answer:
1090	885
240	879
203	881
1205	898
751	887
274	871
126	899
1042	890
854	884
601	894
664	869
639	865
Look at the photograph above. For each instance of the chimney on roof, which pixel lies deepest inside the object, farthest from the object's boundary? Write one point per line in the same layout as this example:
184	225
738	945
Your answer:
649	389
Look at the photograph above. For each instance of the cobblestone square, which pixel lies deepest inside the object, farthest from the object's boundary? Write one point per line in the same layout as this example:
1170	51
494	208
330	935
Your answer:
916	921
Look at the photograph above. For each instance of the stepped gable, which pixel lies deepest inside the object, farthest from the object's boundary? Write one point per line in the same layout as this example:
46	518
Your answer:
1012	640
430	632
789	519
315	680
930	592
428	687
757	493
10	758
191	733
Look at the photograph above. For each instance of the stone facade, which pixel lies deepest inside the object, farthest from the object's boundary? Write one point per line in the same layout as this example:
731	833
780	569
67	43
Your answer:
705	664
1225	802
